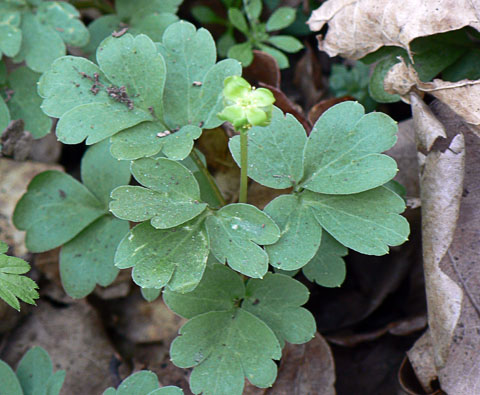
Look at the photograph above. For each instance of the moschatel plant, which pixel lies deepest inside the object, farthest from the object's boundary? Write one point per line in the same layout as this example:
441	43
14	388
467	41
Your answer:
141	107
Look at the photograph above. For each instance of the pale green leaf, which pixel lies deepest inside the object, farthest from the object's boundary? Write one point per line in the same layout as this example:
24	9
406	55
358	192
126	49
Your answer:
171	196
150	294
279	56
25	102
225	348
253	9
237	19
366	222
234	232
175	257
219	290
10	32
64	18
55	209
281	18
35	373
139	383
327	268
242	52
276	300
343	152
10	384
101	173
300	233
41	44
99	29
275	152
193	90
286	43
178	145
88	259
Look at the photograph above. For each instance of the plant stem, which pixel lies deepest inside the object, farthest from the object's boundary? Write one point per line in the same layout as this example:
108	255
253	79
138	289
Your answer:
243	165
209	178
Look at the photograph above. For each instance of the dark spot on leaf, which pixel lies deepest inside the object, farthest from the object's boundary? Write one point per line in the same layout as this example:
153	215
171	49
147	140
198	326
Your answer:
255	302
62	193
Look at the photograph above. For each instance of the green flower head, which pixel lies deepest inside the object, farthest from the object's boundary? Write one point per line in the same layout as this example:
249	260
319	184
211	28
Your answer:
246	106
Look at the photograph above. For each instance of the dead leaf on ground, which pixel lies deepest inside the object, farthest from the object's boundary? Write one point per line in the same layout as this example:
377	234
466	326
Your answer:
358	27
264	68
304	369
14	179
74	338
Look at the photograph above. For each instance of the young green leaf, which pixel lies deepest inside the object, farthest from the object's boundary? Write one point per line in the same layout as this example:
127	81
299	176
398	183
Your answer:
286	43
242	52
275	152
173	257
253	9
301	233
327	268
281	18
143	383
87	260
10	384
237	19
54	210
279	56
35	373
171	195
366	222
25	102
276	300
234	232
13	285
343	152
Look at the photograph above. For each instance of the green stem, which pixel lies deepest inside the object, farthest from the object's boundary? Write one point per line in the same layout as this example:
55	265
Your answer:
243	165
209	178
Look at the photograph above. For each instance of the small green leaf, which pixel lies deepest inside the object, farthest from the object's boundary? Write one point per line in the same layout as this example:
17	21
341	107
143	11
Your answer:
276	300
25	102
41	44
279	56
366	222
13	285
242	52
327	268
193	90
342	154
99	29
234	232
10	32
178	145
101	173
54	210
35	373
286	43
237	19
64	18
88	259
150	294
253	9
175	257
301	233
219	289
375	87
275	152
281	18
10	384
225	348
171	196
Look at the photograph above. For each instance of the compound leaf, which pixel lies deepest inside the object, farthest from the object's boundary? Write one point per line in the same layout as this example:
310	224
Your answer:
342	154
327	268
10	384
25	102
366	222
194	81
219	290
171	196
175	257
35	373
88	259
234	232
276	300
225	347
300	233
55	209
275	152
13	285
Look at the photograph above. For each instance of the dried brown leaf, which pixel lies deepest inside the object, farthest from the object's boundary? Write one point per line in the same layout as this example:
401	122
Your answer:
264	68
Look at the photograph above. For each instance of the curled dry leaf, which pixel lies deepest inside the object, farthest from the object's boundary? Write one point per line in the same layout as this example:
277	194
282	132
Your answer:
358	27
